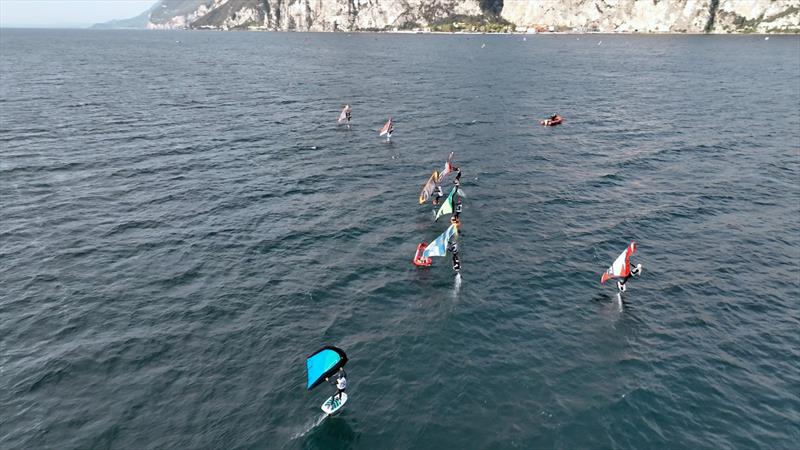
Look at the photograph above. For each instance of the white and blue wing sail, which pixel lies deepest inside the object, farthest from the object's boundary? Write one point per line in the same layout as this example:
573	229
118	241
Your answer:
439	246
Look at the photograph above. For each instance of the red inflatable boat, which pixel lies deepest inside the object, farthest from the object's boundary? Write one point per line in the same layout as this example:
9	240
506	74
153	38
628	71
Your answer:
552	122
418	260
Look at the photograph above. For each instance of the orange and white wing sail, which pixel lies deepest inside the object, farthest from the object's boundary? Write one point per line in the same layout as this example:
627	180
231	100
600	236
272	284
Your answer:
622	265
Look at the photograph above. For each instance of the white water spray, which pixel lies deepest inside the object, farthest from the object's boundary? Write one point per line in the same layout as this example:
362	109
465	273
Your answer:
310	426
457	285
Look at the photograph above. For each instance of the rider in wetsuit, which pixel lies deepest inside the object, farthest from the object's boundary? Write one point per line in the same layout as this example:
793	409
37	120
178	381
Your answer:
636	271
438	194
456	260
458	208
340	383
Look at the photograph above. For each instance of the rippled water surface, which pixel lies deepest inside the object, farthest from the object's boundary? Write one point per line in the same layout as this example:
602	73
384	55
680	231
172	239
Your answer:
183	222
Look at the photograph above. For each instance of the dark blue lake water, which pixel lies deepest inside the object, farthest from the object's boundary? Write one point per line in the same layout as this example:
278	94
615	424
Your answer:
183	222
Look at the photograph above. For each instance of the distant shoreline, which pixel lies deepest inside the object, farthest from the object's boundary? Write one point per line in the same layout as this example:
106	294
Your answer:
454	33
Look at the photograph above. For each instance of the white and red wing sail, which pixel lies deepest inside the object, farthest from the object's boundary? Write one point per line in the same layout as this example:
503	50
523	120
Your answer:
447	167
386	127
622	265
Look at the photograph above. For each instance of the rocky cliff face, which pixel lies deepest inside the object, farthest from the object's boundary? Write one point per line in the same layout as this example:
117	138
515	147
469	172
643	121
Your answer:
694	16
761	16
310	15
610	15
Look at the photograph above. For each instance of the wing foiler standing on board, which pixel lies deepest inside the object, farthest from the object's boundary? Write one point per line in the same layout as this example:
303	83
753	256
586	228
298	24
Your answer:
321	366
345	115
387	130
621	269
449	167
456	259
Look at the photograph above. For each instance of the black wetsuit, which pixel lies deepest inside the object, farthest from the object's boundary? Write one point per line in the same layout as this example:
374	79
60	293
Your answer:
457	211
456	260
634	271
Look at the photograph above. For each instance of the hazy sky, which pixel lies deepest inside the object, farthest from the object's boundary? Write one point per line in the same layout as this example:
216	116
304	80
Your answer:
67	13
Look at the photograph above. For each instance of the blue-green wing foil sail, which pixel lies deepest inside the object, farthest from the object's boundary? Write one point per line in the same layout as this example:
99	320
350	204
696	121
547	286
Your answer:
323	363
447	206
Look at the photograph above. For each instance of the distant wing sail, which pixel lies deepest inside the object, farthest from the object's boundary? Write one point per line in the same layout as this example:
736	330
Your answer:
386	127
343	115
447	207
439	246
323	363
622	266
430	185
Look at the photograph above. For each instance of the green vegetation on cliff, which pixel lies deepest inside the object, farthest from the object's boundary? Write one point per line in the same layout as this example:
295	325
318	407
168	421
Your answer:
484	24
